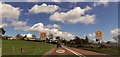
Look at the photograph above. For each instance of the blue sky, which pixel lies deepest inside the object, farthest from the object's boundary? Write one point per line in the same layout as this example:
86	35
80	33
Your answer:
106	18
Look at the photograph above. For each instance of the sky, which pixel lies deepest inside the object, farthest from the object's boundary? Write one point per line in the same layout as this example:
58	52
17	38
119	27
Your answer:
65	19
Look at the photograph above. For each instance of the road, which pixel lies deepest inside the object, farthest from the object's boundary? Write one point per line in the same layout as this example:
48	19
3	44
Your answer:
70	52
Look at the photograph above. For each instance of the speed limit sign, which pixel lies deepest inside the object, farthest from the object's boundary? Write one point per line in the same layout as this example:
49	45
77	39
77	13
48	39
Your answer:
98	35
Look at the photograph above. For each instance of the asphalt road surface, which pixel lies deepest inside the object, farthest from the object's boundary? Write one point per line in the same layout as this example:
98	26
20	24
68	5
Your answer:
70	52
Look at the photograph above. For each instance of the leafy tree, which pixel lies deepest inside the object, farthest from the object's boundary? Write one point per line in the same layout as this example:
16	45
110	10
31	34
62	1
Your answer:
116	38
33	36
86	40
78	41
58	37
19	36
64	41
108	42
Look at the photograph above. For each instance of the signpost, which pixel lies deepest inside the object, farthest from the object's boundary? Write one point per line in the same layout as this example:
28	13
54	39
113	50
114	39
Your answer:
43	36
98	35
51	36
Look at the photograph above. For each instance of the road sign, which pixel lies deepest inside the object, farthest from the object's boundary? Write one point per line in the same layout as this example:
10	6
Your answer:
98	35
42	35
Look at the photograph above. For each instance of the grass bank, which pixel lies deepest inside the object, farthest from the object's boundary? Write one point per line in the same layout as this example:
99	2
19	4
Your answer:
109	51
13	47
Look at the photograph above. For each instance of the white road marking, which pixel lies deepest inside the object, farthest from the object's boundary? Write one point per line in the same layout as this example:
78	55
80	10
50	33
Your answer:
60	51
74	52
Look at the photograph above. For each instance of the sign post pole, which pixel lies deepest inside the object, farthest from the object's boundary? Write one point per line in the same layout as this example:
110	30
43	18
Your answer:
98	37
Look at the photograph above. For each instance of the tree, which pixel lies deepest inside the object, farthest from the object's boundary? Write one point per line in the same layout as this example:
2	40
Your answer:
117	38
78	41
33	36
108	42
51	36
86	40
64	41
19	36
58	37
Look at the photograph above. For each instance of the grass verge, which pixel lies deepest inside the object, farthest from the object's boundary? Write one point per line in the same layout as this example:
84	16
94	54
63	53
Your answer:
109	51
13	47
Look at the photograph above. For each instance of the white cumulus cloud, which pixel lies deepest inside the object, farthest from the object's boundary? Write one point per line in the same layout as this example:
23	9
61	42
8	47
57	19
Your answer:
43	8
53	26
2	25
115	32
73	16
101	2
28	35
37	27
67	36
19	23
9	12
91	35
64	35
54	29
10	15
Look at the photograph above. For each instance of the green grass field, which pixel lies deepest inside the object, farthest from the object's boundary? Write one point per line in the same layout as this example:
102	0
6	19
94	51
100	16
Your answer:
13	47
109	51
